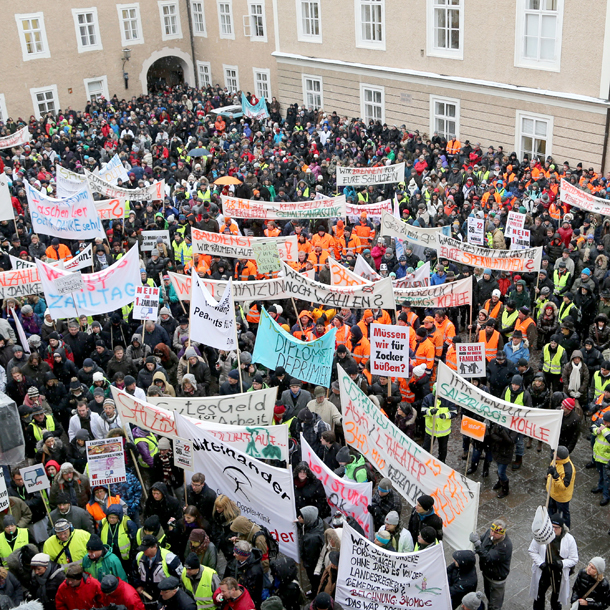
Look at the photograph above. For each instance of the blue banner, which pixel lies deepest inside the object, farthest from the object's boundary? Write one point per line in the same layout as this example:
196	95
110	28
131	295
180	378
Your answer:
257	111
308	361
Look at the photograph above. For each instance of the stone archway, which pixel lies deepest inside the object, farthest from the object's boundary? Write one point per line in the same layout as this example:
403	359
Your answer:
170	65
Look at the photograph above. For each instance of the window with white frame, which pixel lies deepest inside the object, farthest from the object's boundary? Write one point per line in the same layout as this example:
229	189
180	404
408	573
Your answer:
538	36
372	103
204	71
225	19
96	88
445	117
198	16
170	20
44	99
534	135
33	36
312	92
262	83
231	78
87	30
131	24
445	25
370	24
309	25
256	23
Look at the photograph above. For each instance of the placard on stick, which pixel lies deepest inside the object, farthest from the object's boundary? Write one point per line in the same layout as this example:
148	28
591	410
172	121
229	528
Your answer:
35	478
470	359
267	256
4	501
146	303
473	428
183	454
106	461
389	350
68	284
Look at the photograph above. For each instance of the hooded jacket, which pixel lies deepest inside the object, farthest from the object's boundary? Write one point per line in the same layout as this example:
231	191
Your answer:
78	488
108	563
137	354
166	508
247	530
311	537
123	595
169	361
463	577
584	377
167	389
88	594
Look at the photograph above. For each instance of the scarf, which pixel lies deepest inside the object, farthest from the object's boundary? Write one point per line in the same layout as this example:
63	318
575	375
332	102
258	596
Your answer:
166	463
574	384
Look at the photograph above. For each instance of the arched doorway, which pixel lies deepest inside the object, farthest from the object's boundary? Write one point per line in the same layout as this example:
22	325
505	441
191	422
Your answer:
165	72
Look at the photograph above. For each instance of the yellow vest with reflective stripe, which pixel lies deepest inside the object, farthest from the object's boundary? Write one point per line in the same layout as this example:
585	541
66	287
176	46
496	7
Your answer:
164	553
442	427
601	448
507	320
560	281
153	448
48	425
5	548
517	401
124	542
203	594
599	383
565	309
552	365
77	547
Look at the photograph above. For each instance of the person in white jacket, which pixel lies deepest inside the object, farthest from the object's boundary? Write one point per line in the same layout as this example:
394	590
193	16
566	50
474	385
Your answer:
87	419
551	566
400	536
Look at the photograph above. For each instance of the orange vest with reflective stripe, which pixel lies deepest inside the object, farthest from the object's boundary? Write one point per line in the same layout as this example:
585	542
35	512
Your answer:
254	315
451	359
362	352
405	390
523	325
495	311
599	414
342	336
425	353
95	510
491	346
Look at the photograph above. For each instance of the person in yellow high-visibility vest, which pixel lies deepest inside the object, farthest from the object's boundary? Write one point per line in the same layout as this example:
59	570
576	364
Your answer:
438	414
200	581
12	538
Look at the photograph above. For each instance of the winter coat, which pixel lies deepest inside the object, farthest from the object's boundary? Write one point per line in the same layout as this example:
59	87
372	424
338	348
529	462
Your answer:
78	489
417	522
20	511
204	500
243	602
80	518
600	596
515	352
169	362
501	443
463	577
380	506
108	563
312	432
201	370
294	404
158	335
495	558
499	375
584	378
125	366
310	494
311	537
44	588
166	508
137	354
88	594
249	574
593	359
123	595
601	338
59	453
12	588
167	388
570	429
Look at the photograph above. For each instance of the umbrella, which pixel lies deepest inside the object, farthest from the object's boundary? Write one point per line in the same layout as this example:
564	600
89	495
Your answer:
227	180
199	152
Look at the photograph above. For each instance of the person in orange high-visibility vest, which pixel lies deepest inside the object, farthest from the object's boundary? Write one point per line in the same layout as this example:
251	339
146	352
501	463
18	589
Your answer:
402	321
492	339
365	323
228	227
359	346
253	317
425	351
494	306
451	356
272	230
244	269
97	507
412	319
453	147
323	239
435	335
364	231
307	322
445	326
57	251
342	334
381	316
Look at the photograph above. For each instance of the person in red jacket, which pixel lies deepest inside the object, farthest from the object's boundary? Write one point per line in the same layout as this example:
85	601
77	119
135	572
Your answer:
231	596
117	591
79	590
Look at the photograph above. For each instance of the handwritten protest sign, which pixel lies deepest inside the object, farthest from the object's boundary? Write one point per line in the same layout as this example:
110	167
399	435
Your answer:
263	493
541	424
149	239
81	260
144	414
412	470
310	361
4	501
114	171
572	195
267	256
6	205
21	136
154	192
418	279
520	239
389	350
111	209
343	495
515	221
373	211
247	409
370	577
183	454
256	111
473	428
146	303
68	182
449	294
106	459
263	210
363	176
238	246
35	478
20	282
394	227
364	270
67	284
342	276
470	359
476	230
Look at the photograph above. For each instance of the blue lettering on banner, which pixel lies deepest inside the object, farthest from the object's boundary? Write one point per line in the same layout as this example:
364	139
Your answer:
88	300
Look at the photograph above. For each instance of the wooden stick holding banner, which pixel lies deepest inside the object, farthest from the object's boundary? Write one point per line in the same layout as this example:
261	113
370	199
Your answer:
241	385
45	501
69	284
135	461
298	319
183	458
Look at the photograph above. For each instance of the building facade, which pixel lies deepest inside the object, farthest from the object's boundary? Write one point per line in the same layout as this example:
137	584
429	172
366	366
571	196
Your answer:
530	75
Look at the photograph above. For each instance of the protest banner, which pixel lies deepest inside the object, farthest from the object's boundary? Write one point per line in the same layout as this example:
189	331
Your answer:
449	294
309	361
20	282
515	221
343	495
149	240
114	171
21	136
256	111
373	211
74	217
183	454
476	231
104	291
106	460
67	182
572	195
473	428
4	500
246	409
363	176
6	203
154	192
363	269
67	284
264	210
18	263
146	303
144	414
212	323
111	209
263	493
413	471
266	256
526	261
342	276
81	260
541	424
419	279
35	478
520	239
23	340
238	246
470	359
372	578
394	227
389	350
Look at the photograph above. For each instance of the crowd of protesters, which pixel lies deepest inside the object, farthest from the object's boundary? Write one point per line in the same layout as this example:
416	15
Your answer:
546	337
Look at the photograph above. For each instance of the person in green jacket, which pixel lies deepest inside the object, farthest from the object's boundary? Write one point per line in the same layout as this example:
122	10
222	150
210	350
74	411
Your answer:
100	560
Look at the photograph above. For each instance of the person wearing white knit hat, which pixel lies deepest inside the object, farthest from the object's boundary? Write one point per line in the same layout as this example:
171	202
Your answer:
472	601
591	586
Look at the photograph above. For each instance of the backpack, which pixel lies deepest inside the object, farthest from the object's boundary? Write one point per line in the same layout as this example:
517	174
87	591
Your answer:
272	546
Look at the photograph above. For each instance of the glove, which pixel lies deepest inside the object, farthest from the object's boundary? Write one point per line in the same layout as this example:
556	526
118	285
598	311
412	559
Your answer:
474	538
543	565
433	411
557	565
553	472
575	394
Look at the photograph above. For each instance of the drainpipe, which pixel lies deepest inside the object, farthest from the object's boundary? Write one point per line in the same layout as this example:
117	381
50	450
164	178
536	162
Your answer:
190	20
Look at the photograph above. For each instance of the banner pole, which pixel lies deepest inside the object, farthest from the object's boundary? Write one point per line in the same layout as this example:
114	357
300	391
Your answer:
548	492
135	463
241	383
470	327
298	319
433	428
45	501
186	502
471	442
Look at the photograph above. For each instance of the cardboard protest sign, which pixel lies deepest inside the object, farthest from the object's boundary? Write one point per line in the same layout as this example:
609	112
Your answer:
67	284
248	409
343	495
146	303
413	471
238	246
520	239
372	577
419	279
515	221
144	414
449	294
149	240
541	424
74	217
363	176
342	276
572	195
68	182
106	459
389	350
470	359
20	282
35	478
373	211
473	428
309	361
111	209
183	454
154	192
114	171
81	260
21	136
394	227
476	231
4	499
104	291
6	204
264	210
263	493
266	256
